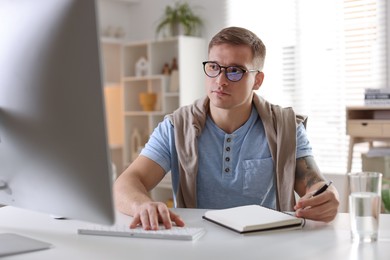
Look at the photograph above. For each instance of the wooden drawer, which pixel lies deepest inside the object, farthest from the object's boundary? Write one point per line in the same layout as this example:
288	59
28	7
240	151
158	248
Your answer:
364	128
386	130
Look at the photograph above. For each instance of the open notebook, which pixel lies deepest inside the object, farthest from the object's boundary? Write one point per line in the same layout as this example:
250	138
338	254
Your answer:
253	218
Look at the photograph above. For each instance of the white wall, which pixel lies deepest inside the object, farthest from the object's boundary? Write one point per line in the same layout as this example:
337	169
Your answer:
139	19
340	182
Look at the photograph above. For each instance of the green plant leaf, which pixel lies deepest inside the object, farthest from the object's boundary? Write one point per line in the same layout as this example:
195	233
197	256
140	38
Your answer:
179	14
386	199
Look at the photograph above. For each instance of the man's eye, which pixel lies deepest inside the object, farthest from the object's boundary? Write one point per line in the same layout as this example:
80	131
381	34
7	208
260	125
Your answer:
234	70
213	67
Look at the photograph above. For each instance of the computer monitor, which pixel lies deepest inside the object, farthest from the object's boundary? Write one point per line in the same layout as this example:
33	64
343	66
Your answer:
54	155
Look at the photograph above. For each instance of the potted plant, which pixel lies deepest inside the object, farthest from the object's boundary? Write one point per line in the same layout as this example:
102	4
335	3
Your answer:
179	17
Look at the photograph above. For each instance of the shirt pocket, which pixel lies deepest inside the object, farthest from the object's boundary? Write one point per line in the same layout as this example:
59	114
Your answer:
258	177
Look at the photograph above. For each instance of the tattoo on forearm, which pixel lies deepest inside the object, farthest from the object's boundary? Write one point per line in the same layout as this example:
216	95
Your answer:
307	171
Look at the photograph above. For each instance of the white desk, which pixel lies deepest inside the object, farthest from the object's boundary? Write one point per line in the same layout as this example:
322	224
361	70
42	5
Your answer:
315	241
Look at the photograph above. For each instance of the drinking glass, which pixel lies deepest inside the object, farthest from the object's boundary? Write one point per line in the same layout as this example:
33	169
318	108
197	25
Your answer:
364	205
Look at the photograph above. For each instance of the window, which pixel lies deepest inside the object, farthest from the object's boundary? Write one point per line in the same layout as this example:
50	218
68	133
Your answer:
321	55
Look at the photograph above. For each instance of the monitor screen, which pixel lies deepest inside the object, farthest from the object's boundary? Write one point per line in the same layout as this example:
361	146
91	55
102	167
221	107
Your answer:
54	155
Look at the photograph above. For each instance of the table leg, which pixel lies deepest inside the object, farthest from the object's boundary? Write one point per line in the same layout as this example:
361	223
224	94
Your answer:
350	153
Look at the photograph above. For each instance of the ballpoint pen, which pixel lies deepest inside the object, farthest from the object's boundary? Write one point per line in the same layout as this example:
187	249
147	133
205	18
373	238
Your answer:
322	189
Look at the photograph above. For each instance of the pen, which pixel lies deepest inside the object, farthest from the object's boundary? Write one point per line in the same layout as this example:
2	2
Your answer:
322	189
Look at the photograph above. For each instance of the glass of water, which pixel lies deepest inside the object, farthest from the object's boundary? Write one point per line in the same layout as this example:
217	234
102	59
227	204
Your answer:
364	205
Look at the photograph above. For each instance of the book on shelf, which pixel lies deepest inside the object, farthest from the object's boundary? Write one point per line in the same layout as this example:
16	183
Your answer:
253	218
376	90
377	101
377	96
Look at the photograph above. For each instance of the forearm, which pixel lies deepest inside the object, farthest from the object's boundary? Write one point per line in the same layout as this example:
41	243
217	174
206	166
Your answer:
129	193
309	179
307	175
132	187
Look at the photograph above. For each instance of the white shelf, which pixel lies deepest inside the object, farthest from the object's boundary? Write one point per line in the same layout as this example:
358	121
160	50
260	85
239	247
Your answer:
110	40
147	77
112	84
172	94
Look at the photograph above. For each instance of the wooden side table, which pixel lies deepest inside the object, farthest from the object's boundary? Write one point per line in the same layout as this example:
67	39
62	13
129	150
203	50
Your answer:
367	124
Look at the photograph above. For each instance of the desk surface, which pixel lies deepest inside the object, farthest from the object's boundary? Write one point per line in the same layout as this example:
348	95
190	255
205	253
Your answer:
315	241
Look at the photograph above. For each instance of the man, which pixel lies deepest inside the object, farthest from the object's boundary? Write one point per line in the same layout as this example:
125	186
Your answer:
230	148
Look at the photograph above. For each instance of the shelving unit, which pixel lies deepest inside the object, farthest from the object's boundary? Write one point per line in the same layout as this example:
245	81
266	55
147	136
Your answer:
189	52
112	62
139	124
129	126
112	51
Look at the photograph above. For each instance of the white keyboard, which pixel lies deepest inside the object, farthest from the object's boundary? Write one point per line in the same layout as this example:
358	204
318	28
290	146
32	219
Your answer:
175	233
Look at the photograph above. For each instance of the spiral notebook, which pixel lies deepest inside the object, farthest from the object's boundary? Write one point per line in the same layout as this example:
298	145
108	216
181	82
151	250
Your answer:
253	218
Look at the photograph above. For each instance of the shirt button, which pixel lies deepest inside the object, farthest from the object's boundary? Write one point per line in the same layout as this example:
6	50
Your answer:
227	149
227	170
228	140
227	159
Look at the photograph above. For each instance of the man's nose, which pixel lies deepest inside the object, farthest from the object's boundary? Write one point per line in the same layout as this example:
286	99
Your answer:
221	78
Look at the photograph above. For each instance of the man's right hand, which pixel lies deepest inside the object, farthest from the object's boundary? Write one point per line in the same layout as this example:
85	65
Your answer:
150	214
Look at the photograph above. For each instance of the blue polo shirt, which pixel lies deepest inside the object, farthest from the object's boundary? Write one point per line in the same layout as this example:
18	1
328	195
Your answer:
234	169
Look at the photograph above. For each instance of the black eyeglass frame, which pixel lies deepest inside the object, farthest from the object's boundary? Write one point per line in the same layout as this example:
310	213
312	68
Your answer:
226	70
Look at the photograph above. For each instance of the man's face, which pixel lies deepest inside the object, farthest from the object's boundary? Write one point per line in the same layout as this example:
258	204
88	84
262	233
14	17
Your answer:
227	94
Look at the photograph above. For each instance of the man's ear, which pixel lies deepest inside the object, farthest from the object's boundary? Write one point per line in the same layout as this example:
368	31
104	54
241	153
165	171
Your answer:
258	80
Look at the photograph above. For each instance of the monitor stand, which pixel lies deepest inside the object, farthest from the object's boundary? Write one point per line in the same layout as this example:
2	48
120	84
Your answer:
11	244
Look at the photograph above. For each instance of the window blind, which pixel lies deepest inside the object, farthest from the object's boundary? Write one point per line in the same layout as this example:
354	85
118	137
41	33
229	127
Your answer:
321	55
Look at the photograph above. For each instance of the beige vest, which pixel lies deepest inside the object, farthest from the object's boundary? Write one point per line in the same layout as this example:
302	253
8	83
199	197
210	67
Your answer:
280	128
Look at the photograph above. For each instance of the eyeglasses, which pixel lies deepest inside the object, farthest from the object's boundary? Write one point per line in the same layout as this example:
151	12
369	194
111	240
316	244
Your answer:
232	73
